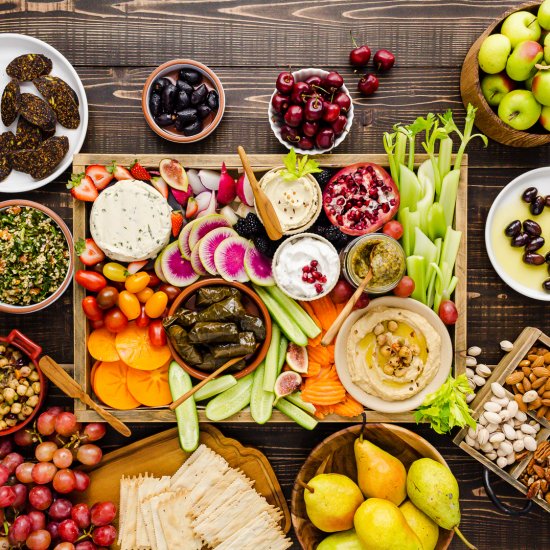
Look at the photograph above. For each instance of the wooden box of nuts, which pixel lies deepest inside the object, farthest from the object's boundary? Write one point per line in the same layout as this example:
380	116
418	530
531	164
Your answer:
512	410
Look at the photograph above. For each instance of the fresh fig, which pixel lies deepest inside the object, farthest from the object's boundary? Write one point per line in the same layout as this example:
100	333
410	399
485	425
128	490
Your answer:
173	174
286	383
296	357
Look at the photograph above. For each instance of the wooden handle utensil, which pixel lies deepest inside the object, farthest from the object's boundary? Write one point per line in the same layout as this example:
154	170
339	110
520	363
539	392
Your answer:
73	389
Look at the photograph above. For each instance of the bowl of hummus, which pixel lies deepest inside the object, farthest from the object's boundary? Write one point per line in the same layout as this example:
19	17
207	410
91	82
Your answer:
392	354
297	201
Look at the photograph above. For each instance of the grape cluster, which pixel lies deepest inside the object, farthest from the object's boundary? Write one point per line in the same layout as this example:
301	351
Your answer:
34	510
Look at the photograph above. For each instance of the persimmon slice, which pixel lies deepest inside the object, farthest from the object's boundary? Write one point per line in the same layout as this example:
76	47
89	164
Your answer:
110	385
101	345
135	348
150	387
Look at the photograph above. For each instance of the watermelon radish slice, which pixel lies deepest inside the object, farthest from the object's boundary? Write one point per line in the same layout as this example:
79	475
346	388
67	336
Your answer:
158	269
258	267
208	244
177	270
229	259
183	240
196	263
204	225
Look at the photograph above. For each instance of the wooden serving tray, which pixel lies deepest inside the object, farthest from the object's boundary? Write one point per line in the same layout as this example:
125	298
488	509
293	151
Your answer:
83	362
162	455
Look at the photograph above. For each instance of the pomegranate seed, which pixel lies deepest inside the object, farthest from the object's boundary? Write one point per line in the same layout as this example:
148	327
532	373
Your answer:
304	278
385	208
314	263
319	288
306	269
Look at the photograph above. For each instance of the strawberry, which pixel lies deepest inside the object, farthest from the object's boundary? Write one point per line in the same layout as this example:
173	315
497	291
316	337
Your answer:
177	222
119	172
192	208
134	267
161	186
99	175
140	173
88	252
82	187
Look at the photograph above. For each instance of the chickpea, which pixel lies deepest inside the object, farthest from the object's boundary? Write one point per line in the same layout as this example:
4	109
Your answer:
400	372
2	348
32	401
394	362
387	370
16	408
381	339
3	425
11	422
21	417
17	355
5	410
385	351
3	361
1	398
405	352
36	387
9	394
21	389
378	329
29	392
415	349
33	376
26	410
392	326
13	384
24	371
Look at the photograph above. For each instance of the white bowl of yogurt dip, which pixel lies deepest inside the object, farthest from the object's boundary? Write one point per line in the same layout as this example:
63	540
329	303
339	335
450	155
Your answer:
306	267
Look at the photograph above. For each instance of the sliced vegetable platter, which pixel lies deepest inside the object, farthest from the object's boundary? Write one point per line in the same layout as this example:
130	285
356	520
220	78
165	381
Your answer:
83	361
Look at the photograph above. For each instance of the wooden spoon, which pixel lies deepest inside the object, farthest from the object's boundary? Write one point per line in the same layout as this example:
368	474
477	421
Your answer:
263	204
73	389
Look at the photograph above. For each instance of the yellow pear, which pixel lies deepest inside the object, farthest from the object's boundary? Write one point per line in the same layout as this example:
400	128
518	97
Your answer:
333	502
381	525
379	474
345	540
426	529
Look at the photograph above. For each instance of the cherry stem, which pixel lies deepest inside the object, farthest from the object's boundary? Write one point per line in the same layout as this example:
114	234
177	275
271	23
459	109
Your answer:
353	41
305	486
541	67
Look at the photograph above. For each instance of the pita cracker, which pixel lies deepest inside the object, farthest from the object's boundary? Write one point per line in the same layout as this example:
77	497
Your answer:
154	504
124	484
176	525
128	539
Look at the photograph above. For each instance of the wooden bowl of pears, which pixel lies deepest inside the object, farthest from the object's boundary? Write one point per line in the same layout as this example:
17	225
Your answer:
368	487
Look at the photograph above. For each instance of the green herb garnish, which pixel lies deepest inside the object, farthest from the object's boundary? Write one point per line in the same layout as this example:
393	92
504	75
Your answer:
446	408
80	246
298	166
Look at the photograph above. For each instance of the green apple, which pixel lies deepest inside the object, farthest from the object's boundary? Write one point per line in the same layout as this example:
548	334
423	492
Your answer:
545	118
521	63
547	49
495	87
493	53
543	15
541	87
519	109
521	26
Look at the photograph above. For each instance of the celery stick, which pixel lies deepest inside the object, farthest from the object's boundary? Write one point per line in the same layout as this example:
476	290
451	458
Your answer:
467	136
271	359
283	344
416	269
436	221
451	244
409	188
427	185
424	247
444	158
389	146
400	150
449	190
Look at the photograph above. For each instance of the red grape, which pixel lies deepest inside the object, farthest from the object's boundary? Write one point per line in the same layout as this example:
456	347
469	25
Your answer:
104	536
43	472
20	529
81	515
60	509
448	312
55	410
23	472
46	423
342	292
23	438
66	424
21	492
6	446
11	461
64	481
405	287
64	546
53	528
4	474
40	497
39	540
95	431
103	513
63	458
82	480
86	545
38	520
68	531
89	454
393	228
44	451
7	496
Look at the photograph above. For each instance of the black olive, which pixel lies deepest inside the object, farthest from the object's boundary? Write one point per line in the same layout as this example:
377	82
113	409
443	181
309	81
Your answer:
547	258
546	285
193	129
191	76
529	194
183	86
168	98
532	228
203	111
159	84
537	206
520	240
185	117
533	258
164	119
513	228
154	105
182	101
199	95
534	244
213	100
547	200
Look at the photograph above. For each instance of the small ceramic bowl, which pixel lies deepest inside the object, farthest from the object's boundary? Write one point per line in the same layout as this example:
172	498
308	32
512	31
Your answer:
170	70
253	305
10	308
275	118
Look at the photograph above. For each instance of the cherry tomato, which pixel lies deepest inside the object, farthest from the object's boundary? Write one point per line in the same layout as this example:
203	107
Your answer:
98	267
90	280
154	280
107	297
97	324
142	320
394	229
157	334
145	294
405	287
171	291
137	282
115	272
156	304
115	320
91	309
129	304
448	312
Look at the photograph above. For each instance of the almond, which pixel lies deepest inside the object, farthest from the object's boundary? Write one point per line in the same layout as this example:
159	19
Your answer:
515	378
525	363
547	358
539	382
534	405
547	386
520	387
519	401
546	394
526	384
532	377
545	402
538	362
542	410
526	370
532	356
540	372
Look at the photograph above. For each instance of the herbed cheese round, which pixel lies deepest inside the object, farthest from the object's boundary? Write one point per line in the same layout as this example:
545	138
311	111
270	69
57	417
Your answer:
130	221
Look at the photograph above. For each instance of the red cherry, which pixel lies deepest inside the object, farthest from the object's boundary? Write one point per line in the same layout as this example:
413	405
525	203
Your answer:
368	84
344	100
310	128
331	112
339	124
289	134
333	80
314	109
359	56
299	92
293	116
314	81
280	102
384	60
285	82
325	138
306	143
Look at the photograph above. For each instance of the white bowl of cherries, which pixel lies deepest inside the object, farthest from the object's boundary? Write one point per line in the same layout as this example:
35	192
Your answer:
311	110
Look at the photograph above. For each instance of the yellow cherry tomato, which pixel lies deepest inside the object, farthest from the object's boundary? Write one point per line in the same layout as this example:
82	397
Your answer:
115	272
129	304
137	282
145	294
156	304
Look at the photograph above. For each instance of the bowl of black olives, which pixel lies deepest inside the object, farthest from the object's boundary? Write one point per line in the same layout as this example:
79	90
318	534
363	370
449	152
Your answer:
183	101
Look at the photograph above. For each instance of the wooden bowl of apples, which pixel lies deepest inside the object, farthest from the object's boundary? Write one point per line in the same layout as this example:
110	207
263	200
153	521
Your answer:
336	454
506	65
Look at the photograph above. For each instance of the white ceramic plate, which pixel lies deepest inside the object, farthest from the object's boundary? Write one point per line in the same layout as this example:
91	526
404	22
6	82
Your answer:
503	211
11	46
376	403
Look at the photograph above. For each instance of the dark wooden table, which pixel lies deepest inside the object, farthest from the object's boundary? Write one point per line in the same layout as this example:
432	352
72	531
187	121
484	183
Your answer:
115	45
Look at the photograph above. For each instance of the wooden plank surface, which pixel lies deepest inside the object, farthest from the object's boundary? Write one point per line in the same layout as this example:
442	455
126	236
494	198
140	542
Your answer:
115	45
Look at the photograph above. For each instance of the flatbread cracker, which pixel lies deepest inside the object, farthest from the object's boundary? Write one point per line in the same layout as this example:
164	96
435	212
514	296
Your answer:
176	525
128	538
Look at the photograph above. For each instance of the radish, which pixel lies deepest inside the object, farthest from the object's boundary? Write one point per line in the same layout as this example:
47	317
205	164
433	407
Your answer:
243	210
211	208
244	191
192	208
182	196
134	267
227	190
203	200
195	182
229	214
210	179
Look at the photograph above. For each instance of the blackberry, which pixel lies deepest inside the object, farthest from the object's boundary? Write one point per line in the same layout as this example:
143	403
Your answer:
335	236
263	244
323	177
249	227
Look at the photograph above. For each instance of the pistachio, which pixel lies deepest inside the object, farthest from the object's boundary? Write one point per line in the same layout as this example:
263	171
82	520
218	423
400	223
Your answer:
506	346
474	351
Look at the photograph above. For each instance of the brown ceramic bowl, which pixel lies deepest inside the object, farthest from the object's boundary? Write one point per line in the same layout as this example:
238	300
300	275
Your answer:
33	352
253	305
169	70
9	308
336	455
